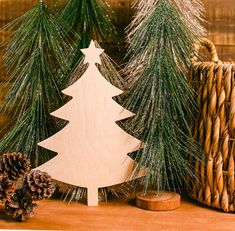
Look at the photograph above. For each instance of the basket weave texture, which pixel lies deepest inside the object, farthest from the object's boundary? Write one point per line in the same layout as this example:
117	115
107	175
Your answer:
214	129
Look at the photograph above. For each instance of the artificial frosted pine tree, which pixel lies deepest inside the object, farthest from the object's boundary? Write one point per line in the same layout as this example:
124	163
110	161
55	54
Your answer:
159	50
35	55
92	149
90	20
190	13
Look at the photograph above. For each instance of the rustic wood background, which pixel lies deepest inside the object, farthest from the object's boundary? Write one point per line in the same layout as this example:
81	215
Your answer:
220	15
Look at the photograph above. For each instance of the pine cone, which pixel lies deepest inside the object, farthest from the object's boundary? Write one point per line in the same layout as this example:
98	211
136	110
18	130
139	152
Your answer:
14	165
19	206
6	187
39	185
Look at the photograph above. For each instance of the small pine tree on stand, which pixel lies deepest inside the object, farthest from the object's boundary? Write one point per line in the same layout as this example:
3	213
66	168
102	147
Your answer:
35	55
159	49
92	149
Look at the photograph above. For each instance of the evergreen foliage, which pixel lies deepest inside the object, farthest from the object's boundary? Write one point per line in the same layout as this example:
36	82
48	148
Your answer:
160	96
90	20
190	14
36	57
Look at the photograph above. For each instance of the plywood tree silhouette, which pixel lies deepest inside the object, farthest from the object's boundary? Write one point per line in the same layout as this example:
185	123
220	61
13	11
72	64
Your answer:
92	149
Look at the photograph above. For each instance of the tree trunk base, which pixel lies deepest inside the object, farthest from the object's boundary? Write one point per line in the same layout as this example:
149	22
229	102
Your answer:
158	201
92	197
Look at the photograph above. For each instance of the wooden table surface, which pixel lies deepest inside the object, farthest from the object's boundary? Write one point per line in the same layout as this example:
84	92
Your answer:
121	215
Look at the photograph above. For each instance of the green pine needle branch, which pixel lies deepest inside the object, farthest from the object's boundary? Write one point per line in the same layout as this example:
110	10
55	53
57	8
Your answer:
161	97
36	58
90	19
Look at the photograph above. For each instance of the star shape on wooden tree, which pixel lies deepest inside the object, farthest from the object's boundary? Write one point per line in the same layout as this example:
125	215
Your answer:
92	54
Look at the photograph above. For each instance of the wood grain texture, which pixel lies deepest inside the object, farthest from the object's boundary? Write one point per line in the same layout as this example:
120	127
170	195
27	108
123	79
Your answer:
221	26
155	201
92	149
121	215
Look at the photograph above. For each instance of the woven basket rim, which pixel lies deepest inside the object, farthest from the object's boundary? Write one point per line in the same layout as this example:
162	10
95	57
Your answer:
224	65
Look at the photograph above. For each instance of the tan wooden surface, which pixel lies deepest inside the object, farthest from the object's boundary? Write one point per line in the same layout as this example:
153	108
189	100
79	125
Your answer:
91	142
152	200
121	215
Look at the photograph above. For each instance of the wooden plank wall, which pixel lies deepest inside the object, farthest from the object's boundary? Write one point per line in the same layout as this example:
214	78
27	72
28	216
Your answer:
220	15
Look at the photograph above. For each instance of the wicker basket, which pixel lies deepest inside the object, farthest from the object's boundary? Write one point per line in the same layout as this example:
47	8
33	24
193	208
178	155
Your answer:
214	128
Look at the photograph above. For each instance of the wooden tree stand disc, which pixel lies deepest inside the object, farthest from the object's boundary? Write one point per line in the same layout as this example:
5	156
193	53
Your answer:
162	201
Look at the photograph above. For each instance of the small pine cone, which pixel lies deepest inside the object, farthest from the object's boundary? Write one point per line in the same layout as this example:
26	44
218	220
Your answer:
14	165
39	185
19	206
6	187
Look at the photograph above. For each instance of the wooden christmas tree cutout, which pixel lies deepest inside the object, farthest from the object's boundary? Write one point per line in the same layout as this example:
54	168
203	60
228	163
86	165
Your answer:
92	149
